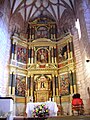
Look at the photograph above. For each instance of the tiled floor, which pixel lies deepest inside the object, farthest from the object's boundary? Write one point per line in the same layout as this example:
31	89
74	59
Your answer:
56	118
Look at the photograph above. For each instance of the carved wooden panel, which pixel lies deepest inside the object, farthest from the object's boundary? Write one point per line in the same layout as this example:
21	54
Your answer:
42	95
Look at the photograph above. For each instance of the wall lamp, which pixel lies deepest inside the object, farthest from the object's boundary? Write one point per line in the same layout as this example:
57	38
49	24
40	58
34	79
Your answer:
87	60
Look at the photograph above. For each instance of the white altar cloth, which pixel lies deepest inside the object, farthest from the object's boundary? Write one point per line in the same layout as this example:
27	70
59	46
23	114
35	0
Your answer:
6	107
52	106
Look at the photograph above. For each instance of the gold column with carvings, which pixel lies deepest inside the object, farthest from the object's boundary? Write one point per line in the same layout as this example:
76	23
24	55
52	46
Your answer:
68	50
29	59
31	85
52	55
53	85
55	59
71	49
32	56
57	92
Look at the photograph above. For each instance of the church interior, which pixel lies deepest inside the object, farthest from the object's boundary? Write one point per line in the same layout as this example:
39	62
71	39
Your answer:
45	52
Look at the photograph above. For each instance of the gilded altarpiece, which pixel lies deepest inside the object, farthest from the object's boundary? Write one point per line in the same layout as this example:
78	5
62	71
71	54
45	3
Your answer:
42	66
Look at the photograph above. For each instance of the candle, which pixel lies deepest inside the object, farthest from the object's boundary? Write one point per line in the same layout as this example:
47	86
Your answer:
53	99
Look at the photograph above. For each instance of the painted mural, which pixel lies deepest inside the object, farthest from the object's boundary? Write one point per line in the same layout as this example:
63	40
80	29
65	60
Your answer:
20	85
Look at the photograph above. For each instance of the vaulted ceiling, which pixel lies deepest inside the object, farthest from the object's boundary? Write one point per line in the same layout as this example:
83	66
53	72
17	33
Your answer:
54	9
31	9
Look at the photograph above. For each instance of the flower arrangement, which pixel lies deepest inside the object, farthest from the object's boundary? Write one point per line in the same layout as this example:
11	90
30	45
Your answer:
41	111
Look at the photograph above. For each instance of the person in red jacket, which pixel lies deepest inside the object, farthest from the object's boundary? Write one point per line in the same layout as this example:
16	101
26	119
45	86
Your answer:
77	104
77	100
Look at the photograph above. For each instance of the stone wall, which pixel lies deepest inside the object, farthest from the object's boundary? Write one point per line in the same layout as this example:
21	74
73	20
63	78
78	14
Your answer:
83	68
4	48
7	26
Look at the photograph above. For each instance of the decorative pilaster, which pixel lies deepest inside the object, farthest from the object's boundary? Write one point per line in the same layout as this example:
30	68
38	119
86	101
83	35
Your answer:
30	32
32	85
35	55
29	55
28	86
51	32
68	51
12	84
71	82
74	82
52	56
55	60
15	49
53	85
59	87
12	50
56	85
26	93
32	56
71	49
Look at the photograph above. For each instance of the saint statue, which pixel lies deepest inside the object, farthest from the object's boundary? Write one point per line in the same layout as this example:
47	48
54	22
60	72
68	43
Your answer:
42	85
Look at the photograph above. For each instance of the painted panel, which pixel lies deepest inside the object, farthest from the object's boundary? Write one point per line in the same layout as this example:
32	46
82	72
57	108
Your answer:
20	85
42	55
21	54
65	84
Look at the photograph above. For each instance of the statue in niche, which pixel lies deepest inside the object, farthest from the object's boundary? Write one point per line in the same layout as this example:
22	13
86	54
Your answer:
42	55
42	85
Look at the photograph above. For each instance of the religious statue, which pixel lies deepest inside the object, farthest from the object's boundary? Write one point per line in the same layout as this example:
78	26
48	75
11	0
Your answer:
42	85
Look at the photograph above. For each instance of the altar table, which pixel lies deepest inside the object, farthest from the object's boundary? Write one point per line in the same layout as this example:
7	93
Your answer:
52	106
6	108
